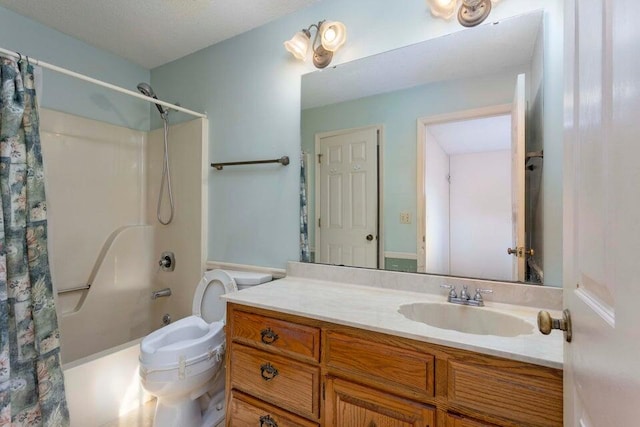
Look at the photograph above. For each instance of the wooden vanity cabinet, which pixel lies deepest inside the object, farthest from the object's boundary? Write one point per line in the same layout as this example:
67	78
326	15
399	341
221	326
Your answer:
453	420
285	370
349	404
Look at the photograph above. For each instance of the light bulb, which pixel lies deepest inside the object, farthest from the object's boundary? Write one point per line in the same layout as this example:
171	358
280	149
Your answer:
330	35
442	8
333	35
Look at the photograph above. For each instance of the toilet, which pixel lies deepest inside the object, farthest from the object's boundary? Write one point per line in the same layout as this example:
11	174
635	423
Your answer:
182	364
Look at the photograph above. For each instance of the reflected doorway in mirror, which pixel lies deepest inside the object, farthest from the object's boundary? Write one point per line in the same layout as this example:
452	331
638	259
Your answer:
471	192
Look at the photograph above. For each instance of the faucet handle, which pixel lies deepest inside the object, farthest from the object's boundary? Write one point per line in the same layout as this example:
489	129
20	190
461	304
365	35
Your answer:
479	292
452	290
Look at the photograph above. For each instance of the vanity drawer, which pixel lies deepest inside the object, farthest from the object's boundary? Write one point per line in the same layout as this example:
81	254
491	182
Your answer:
282	336
283	382
406	371
247	411
525	394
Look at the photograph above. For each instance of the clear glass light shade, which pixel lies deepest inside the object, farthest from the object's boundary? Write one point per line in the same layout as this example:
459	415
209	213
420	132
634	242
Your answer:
298	46
333	35
442	8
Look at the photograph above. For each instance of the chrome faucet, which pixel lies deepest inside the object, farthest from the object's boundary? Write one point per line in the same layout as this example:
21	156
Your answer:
465	298
166	292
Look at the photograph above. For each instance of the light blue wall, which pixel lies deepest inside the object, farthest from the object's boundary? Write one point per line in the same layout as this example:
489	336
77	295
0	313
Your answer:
250	87
71	95
553	113
398	112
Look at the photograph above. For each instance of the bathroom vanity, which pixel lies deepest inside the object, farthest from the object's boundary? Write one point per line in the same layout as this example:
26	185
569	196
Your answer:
307	353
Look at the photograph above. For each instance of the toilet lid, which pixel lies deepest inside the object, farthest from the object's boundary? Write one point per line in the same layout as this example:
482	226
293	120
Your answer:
206	300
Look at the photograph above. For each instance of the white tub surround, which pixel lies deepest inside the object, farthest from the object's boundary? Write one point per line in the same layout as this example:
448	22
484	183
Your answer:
375	308
104	239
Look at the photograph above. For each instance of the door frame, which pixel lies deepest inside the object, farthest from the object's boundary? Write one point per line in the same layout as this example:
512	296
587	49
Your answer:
380	184
422	123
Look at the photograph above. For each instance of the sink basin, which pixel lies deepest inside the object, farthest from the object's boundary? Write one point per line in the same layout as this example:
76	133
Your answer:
470	320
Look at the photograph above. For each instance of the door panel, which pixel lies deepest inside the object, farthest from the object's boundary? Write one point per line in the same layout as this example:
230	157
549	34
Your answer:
602	85
517	177
348	205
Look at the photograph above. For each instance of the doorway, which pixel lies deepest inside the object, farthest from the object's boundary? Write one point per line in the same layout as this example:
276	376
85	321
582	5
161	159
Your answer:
468	197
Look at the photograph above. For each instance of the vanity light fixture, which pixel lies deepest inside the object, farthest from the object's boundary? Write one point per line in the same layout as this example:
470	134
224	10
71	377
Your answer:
329	37
470	12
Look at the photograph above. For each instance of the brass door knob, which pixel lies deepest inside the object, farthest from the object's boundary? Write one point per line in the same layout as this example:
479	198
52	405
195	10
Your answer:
546	323
520	252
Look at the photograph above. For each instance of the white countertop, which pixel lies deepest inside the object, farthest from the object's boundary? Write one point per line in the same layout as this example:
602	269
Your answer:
376	309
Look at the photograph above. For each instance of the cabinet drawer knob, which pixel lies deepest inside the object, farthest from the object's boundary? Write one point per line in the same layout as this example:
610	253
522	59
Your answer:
268	372
267	421
268	336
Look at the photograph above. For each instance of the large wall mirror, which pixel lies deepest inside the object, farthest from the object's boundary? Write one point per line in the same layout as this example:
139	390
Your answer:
431	158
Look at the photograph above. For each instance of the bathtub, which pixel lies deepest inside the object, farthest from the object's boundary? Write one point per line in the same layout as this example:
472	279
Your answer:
101	329
104	386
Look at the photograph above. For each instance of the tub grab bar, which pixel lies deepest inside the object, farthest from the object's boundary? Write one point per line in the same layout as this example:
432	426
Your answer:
78	288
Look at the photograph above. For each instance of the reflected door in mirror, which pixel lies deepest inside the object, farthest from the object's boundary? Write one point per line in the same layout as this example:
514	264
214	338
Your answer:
347	182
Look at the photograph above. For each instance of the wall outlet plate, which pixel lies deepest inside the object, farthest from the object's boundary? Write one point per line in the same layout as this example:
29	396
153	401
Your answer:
405	218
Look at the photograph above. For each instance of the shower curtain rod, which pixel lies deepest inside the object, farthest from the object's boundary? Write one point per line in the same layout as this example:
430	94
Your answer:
61	70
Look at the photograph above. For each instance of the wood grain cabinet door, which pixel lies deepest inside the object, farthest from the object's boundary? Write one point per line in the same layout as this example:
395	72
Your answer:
348	404
459	421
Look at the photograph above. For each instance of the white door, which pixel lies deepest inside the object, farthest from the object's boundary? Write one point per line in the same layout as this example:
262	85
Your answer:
347	228
602	213
517	179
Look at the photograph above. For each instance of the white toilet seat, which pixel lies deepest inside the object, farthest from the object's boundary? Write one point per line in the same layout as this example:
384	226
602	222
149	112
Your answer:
206	299
193	338
184	340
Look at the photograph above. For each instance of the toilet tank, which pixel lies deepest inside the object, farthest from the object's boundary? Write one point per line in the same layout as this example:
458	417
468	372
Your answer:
247	279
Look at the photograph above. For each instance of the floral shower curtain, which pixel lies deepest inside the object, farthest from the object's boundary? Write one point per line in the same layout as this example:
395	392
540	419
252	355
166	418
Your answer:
305	256
31	382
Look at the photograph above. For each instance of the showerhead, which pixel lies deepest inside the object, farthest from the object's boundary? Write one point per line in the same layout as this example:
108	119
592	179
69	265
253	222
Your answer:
145	89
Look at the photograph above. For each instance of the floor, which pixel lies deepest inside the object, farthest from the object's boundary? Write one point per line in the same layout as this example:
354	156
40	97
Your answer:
142	417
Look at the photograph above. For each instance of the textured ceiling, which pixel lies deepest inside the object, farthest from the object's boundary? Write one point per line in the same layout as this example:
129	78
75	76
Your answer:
474	136
154	32
479	51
